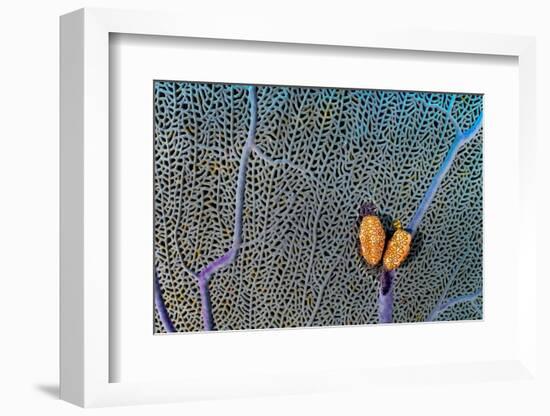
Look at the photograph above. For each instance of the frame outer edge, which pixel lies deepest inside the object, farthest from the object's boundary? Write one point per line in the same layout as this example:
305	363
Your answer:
527	291
95	183
84	302
71	220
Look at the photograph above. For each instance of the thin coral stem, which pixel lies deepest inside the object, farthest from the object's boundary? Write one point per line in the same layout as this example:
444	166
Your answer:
161	307
206	306
385	297
322	289
447	111
221	262
451	302
243	166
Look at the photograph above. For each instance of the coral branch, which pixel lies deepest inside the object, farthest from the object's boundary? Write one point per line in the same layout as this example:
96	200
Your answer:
447	287
461	138
206	305
281	161
440	307
243	166
161	307
225	260
229	256
322	291
385	297
447	111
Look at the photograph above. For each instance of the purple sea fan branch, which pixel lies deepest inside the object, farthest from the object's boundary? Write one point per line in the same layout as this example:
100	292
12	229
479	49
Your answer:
385	295
283	161
161	307
440	307
229	256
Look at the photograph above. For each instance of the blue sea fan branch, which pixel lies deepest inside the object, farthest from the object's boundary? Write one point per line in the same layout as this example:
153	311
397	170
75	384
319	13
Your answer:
385	296
461	139
442	306
161	307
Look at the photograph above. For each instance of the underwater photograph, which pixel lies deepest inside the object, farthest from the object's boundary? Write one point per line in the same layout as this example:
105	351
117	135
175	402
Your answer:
293	207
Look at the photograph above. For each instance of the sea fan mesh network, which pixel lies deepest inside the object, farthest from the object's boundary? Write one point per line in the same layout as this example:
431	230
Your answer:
299	264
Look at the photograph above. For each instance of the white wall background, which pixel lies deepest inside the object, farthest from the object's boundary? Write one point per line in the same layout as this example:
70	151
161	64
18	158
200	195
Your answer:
29	57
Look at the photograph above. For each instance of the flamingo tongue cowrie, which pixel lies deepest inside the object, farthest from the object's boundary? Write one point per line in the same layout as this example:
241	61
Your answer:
398	247
372	236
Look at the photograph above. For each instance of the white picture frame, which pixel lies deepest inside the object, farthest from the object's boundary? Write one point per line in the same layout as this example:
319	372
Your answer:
85	354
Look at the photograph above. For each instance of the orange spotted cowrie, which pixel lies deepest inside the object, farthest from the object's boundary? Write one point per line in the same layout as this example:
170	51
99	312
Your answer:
372	236
398	247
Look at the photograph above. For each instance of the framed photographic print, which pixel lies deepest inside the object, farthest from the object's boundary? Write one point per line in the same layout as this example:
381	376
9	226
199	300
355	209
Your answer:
272	212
